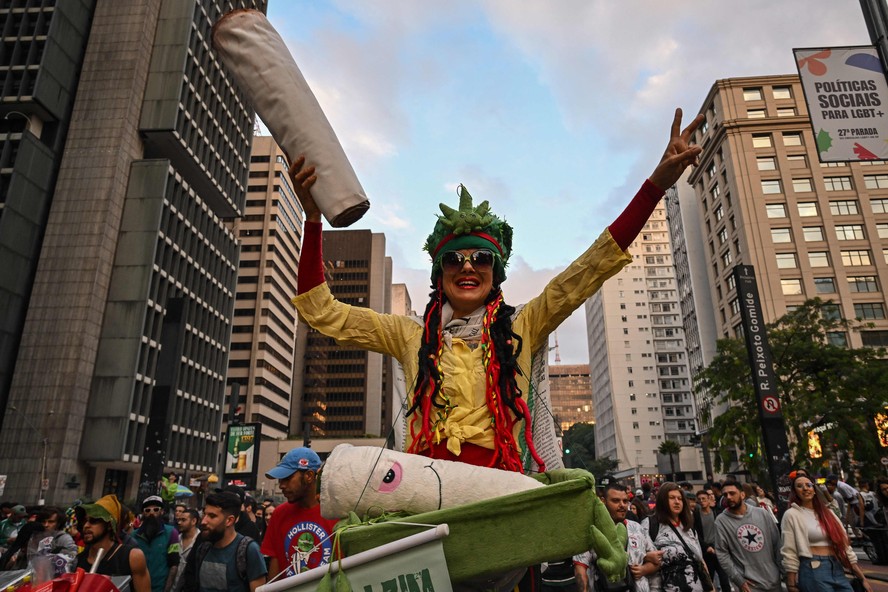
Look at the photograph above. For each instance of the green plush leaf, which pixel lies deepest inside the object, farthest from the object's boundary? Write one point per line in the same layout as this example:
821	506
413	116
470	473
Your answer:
326	583
342	583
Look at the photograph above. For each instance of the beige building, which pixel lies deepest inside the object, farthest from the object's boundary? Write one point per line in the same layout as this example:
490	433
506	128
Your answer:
761	197
263	336
570	389
638	363
809	229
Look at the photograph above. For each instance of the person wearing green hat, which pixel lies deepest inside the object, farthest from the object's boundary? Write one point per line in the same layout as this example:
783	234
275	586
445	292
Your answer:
99	522
468	360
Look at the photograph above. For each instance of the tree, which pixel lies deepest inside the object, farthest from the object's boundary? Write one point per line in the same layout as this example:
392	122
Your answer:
816	381
671	448
579	451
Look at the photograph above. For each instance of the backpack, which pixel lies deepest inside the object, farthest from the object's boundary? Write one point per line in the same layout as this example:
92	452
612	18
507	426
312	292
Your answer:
195	559
653	527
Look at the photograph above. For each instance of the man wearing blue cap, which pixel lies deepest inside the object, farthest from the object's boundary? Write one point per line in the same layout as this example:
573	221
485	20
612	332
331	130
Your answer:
298	537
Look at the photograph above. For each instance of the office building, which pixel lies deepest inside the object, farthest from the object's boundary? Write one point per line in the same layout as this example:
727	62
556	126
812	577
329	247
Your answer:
638	362
809	229
264	325
570	391
345	391
120	368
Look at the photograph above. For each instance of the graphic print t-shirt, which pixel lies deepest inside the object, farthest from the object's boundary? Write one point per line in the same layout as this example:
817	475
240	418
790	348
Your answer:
299	536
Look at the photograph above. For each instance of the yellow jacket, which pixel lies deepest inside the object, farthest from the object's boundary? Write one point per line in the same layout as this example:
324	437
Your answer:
462	366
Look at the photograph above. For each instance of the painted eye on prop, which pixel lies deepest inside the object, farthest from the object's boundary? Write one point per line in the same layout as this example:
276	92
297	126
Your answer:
392	479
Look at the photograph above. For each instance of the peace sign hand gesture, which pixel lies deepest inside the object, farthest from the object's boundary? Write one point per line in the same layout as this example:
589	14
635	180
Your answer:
679	154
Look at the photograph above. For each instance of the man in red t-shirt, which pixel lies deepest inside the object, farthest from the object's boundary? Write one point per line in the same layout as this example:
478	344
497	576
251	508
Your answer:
298	537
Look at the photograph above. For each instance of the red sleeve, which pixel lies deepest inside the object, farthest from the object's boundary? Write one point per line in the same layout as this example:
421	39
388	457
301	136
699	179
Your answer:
311	262
628	224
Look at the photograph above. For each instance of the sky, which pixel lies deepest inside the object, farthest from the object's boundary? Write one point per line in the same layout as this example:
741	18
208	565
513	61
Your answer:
554	111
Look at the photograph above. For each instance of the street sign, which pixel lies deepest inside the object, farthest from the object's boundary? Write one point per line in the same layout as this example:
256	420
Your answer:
771	404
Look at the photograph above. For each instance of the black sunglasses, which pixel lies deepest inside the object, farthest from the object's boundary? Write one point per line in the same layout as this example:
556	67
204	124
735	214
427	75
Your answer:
480	259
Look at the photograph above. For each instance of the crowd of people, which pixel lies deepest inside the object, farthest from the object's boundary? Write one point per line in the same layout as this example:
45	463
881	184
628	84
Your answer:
731	536
169	546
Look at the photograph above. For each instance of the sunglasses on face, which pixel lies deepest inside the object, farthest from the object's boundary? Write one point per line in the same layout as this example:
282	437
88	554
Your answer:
480	259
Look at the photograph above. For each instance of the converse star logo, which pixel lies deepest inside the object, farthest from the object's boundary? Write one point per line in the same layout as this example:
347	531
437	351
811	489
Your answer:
751	537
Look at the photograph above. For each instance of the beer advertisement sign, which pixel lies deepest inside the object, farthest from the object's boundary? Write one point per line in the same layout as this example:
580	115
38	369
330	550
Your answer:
242	453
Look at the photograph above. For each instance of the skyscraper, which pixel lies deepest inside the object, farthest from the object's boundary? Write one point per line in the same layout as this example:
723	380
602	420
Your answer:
570	390
264	325
124	346
763	199
346	391
638	361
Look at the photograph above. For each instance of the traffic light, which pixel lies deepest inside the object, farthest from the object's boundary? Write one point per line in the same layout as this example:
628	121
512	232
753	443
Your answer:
751	454
567	451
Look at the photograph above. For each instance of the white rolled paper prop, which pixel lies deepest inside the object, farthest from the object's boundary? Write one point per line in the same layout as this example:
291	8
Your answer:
260	62
361	479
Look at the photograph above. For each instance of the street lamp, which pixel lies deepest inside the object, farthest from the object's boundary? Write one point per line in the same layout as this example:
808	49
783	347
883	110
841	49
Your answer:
43	481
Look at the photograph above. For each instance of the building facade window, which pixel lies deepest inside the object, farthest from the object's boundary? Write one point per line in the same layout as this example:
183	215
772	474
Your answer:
777	210
869	311
838	183
786	261
771	186
854	257
825	285
807	209
752	94
761	140
792	138
863	283
766	163
850	232
781	235
782	92
791	287
875	181
844	207
818	258
812	233
802	185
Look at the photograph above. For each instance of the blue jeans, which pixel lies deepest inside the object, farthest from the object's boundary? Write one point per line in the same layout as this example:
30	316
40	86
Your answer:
827	576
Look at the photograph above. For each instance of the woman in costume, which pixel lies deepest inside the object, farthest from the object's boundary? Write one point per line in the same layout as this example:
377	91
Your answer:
816	551
468	360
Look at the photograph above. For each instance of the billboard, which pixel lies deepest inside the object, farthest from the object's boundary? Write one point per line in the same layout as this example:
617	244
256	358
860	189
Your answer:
882	429
847	97
242	454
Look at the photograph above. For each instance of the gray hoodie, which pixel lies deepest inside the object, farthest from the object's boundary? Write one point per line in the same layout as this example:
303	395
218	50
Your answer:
748	548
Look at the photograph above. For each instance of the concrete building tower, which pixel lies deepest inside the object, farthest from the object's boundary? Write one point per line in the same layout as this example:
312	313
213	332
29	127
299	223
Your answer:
809	229
570	389
346	391
264	328
121	364
638	362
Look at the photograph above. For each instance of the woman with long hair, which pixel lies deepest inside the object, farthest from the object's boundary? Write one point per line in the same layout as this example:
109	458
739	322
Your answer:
816	551
682	568
469	361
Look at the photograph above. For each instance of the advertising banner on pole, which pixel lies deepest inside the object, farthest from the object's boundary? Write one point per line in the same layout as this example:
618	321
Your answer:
242	454
847	97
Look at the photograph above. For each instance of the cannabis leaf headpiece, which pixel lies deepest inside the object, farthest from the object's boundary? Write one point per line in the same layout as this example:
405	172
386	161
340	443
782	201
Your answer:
470	228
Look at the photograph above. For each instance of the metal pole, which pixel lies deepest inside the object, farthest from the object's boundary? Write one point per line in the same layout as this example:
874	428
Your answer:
875	14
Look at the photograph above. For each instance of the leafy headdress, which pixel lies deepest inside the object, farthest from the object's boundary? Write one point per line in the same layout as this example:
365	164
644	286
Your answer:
470	228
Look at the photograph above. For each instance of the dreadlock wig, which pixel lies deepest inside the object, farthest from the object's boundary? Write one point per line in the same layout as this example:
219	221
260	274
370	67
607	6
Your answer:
465	228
